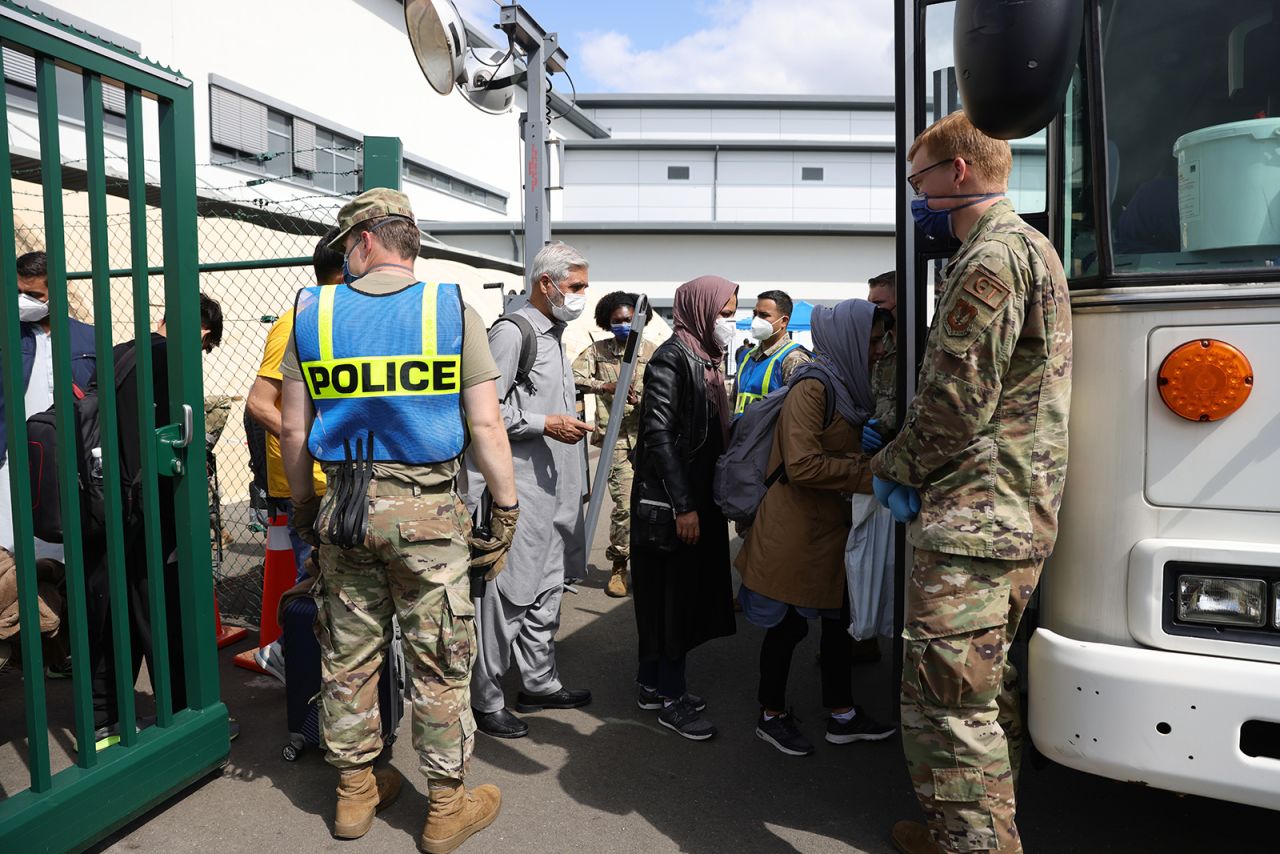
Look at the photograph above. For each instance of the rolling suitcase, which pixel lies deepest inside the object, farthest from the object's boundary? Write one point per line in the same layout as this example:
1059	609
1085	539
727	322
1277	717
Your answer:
302	682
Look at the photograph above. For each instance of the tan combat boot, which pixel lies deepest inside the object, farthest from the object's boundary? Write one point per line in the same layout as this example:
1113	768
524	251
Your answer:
912	837
617	587
456	813
361	793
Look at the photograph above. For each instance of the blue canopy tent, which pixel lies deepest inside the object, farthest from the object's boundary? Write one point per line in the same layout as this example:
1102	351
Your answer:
799	318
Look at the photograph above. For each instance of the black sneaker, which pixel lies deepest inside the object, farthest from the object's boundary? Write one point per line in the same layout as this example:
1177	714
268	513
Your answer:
651	701
685	720
861	727
783	734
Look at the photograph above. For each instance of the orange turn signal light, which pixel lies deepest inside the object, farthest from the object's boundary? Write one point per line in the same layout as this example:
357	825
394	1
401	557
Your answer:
1205	380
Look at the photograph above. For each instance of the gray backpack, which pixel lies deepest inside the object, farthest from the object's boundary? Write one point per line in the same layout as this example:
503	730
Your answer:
742	477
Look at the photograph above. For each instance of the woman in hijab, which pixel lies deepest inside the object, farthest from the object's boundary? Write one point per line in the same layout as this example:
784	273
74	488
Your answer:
792	563
679	539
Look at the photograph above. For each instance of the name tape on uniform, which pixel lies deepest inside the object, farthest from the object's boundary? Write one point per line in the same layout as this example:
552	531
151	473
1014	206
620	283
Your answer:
384	376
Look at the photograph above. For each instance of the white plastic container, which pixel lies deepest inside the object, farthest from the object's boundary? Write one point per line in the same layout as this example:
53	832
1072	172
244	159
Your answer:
1229	185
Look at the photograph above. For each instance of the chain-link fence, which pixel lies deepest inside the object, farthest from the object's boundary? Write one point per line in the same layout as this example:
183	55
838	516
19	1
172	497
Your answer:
259	240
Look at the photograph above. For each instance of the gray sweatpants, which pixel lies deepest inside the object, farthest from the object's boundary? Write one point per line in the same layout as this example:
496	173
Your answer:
525	633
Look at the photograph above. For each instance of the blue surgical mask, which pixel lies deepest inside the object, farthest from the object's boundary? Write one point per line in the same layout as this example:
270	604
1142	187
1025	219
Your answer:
936	224
620	330
347	276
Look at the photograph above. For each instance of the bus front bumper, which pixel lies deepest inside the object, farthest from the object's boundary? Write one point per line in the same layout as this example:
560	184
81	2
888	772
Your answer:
1165	719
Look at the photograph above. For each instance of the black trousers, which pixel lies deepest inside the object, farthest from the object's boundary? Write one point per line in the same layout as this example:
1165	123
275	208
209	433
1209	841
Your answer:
836	660
142	640
665	674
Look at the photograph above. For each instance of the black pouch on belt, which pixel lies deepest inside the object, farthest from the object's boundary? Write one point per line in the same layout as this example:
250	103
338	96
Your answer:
351	510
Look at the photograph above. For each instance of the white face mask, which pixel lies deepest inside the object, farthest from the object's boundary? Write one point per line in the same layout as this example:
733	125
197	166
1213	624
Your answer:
570	308
761	329
31	310
723	332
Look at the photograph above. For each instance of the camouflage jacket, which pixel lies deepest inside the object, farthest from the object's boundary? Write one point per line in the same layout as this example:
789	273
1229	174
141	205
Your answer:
597	366
884	381
985	438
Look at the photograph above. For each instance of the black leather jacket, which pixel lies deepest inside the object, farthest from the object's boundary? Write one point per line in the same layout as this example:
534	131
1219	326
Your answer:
674	418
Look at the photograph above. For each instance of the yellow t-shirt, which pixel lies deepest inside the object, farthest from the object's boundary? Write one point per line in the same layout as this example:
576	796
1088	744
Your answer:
278	339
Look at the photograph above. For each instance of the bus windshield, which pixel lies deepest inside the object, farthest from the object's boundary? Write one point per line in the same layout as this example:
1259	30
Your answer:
1192	100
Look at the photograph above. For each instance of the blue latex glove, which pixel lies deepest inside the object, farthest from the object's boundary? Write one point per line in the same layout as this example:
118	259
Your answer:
904	503
882	489
872	441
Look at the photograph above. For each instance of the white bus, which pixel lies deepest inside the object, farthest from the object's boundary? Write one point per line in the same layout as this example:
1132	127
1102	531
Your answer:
1155	656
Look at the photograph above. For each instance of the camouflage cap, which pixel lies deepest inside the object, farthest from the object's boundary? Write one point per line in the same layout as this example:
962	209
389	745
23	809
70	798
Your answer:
371	204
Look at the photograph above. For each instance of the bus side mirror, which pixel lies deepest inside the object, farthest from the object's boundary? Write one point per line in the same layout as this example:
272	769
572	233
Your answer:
1014	60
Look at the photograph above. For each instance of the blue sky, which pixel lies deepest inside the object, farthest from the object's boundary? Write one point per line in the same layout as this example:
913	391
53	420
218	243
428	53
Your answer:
742	46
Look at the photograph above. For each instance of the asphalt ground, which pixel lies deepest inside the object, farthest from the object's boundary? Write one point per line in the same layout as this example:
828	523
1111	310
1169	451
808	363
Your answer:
608	778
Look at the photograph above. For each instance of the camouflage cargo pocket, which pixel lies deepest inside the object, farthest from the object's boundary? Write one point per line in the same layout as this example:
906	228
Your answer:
956	646
457	650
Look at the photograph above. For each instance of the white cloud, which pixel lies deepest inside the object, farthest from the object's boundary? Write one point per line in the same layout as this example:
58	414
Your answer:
759	46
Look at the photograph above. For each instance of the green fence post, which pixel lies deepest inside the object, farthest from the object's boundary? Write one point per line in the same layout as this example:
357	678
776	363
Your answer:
182	313
383	156
99	262
147	455
68	482
15	417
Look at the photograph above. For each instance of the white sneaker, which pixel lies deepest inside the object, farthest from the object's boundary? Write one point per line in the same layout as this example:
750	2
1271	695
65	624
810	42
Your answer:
271	659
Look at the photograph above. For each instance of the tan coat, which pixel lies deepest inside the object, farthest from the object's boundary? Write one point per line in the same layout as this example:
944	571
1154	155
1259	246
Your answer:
794	551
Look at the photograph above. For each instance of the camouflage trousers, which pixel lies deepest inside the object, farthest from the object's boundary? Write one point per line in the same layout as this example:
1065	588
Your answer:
961	717
413	565
621	474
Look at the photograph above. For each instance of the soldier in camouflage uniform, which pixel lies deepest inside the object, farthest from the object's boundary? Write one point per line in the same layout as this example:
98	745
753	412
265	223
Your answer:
411	559
882	291
982	457
595	371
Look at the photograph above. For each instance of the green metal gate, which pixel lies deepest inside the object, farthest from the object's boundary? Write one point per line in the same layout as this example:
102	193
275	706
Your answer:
77	805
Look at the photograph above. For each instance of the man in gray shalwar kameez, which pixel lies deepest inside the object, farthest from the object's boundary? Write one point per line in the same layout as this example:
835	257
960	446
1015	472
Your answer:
519	615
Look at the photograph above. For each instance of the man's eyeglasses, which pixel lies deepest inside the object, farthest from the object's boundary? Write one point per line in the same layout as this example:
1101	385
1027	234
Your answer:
913	180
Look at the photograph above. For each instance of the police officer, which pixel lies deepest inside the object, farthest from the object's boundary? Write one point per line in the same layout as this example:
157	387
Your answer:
770	363
595	371
978	470
393	374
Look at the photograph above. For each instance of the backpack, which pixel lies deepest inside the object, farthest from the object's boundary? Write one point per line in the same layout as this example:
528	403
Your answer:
528	352
742	477
46	511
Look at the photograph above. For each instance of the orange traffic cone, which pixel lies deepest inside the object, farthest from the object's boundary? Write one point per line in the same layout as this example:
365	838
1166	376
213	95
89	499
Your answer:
227	635
278	575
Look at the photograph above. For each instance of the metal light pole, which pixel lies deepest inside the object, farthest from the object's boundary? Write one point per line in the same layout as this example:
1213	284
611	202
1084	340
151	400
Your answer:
542	56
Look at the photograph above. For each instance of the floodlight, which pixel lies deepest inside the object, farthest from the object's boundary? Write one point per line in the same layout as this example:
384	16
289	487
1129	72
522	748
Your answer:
490	84
439	41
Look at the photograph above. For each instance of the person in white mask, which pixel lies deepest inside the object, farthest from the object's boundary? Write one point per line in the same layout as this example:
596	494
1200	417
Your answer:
37	372
770	364
519	613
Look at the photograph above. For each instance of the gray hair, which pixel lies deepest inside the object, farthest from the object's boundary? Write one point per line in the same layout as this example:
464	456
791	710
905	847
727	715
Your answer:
555	260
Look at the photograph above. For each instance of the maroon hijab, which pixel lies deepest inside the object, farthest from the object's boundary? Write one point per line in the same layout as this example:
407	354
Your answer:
697	305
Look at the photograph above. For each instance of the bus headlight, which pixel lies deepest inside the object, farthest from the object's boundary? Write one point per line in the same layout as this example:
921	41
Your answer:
1221	601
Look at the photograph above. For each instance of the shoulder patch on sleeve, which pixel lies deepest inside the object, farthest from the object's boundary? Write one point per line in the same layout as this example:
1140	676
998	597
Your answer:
971	307
986	287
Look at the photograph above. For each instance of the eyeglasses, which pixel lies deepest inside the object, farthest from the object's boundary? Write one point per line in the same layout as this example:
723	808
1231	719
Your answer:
913	180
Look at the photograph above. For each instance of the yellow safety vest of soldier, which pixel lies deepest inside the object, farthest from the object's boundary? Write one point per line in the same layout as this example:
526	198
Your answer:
386	378
981	493
775	357
595	372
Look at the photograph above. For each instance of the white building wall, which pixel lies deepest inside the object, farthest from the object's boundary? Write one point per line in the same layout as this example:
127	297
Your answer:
307	56
745	123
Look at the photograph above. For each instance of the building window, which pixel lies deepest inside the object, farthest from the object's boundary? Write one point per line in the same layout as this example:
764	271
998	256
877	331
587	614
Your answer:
248	134
677	173
810	173
420	173
20	91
